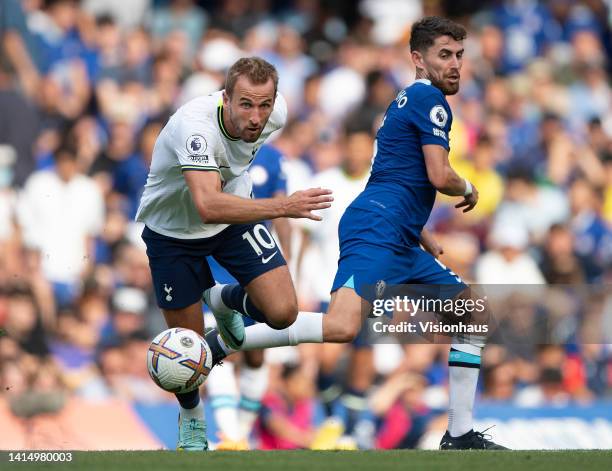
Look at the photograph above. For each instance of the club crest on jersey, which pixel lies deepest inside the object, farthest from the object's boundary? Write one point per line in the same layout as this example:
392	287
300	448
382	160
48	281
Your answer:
438	116
196	144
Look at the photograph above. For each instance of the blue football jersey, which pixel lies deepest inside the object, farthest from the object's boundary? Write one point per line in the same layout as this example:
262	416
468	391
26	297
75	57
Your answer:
399	188
267	173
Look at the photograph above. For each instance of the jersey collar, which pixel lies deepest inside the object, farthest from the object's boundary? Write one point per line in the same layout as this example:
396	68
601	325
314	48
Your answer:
423	80
226	134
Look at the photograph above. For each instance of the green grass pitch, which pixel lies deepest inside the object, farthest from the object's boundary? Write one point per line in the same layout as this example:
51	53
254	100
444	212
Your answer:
327	461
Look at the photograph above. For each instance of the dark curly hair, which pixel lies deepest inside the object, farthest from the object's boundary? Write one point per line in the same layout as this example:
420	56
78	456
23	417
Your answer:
426	30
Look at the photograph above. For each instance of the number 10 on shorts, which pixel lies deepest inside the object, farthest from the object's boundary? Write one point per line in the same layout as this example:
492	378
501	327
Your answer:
261	237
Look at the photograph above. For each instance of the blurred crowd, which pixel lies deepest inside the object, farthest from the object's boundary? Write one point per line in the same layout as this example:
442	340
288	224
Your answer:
86	86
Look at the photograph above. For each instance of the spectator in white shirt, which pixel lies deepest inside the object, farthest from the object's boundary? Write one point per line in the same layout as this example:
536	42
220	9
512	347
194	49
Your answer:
508	262
60	211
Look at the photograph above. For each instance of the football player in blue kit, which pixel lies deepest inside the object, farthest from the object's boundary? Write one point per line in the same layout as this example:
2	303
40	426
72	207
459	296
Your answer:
382	231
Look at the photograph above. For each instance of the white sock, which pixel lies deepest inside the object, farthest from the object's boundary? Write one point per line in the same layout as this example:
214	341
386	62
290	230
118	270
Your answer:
463	370
217	305
223	393
195	413
307	328
253	386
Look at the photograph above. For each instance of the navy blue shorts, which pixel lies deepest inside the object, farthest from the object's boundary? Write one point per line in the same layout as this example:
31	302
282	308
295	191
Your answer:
181	272
372	250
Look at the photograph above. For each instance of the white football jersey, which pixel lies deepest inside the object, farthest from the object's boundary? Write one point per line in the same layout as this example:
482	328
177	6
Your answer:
195	139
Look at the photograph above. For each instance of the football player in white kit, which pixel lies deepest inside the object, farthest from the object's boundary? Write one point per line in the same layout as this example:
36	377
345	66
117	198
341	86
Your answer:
197	202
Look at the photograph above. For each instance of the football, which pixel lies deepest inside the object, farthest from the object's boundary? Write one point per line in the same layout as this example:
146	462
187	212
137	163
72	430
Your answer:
179	360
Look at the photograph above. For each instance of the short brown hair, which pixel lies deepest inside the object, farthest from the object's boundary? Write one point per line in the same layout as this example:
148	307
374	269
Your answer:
256	69
425	31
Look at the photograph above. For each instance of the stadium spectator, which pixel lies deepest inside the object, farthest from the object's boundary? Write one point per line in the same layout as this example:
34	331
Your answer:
19	128
508	262
60	211
288	413
404	415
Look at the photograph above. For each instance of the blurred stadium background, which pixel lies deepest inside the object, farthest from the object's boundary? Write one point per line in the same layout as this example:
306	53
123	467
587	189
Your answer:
532	130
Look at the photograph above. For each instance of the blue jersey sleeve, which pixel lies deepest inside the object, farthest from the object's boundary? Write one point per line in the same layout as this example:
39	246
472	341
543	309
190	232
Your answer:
432	117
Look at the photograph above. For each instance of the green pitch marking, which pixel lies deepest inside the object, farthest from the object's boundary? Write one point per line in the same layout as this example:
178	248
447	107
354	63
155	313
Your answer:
328	461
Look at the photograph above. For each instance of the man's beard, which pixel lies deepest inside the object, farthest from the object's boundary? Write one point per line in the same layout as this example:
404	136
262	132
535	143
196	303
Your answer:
446	88
242	130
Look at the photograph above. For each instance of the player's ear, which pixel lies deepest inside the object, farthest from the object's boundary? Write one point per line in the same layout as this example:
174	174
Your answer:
417	59
226	98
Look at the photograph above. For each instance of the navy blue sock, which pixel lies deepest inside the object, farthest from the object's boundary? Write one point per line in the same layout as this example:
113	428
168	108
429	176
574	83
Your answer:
189	400
233	296
329	390
356	403
218	354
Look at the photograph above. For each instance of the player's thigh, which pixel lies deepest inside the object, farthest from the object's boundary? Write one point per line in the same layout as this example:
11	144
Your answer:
189	317
273	293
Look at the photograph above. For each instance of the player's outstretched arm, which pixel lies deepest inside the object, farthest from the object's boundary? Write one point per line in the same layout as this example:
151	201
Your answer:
445	179
216	207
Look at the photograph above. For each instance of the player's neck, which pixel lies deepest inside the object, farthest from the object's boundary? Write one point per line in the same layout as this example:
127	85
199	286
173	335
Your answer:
226	122
421	76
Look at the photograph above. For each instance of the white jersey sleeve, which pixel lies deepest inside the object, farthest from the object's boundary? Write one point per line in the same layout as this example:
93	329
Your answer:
194	141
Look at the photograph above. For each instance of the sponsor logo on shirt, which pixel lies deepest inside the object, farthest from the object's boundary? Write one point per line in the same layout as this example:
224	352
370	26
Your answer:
439	133
199	159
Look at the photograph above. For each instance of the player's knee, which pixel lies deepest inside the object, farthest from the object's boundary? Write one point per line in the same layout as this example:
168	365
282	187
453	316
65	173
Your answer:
281	315
280	324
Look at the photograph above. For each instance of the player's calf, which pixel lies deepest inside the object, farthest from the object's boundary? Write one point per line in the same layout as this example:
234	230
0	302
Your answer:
344	317
341	324
340	329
